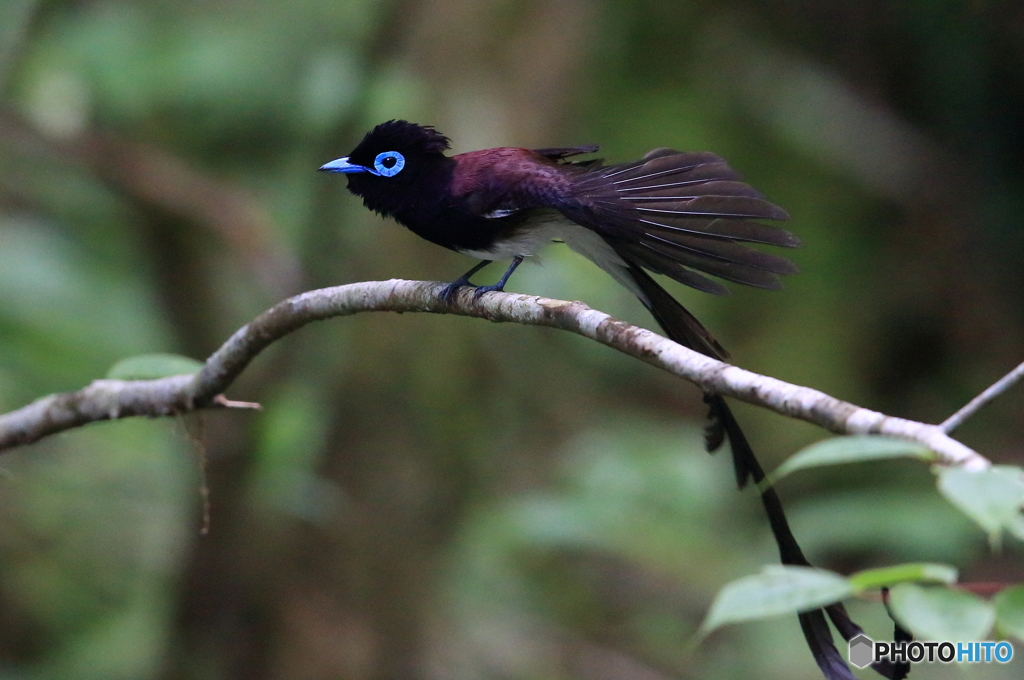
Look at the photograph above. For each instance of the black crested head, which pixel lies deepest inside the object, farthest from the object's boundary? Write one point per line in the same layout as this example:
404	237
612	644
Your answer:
397	167
399	135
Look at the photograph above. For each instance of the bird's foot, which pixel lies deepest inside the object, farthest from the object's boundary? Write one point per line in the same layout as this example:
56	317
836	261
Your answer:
500	285
480	290
448	293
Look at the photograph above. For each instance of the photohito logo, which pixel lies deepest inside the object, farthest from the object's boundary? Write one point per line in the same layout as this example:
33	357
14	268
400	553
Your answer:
864	651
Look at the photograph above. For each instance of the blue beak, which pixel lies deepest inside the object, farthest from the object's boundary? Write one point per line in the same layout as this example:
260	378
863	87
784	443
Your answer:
342	165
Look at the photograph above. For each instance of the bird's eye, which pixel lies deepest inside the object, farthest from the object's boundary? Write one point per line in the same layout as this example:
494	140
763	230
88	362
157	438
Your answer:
389	163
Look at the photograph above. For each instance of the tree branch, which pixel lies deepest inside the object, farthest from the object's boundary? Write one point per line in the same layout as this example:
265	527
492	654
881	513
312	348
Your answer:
974	405
110	399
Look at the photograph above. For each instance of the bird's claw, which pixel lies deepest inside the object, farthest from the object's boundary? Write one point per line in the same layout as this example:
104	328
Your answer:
480	290
449	292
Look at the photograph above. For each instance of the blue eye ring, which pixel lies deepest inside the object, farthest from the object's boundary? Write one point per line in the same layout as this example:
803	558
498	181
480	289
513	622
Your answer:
397	163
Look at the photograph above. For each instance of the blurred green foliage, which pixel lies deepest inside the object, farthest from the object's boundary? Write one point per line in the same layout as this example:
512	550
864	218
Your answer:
438	497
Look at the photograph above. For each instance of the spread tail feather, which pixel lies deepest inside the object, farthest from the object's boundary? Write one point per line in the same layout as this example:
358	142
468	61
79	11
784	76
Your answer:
684	216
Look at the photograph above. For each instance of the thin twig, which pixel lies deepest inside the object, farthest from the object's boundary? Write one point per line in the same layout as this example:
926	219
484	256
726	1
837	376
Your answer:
221	400
109	399
972	407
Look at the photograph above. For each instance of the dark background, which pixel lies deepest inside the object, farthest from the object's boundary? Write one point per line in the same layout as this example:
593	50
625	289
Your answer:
438	497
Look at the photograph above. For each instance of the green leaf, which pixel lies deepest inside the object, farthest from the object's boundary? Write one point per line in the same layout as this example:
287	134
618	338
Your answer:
889	576
152	366
938	613
991	497
854	449
775	591
1009	605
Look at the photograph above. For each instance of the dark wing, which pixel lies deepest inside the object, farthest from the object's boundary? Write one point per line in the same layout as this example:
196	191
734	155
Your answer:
508	179
680	213
561	153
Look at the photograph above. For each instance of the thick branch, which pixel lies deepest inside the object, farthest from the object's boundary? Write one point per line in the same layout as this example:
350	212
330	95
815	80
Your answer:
107	399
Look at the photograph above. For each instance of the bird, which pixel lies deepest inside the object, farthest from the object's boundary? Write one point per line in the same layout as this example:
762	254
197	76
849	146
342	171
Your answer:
684	215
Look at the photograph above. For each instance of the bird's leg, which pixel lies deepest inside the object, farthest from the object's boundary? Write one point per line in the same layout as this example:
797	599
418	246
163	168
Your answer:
500	285
448	291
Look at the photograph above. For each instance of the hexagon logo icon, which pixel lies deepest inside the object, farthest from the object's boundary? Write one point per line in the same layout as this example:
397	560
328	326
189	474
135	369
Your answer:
862	651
